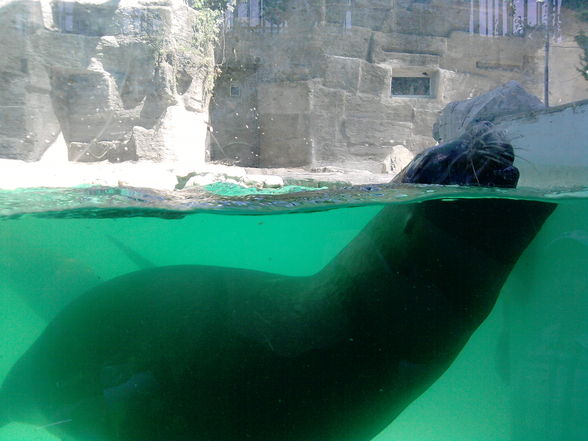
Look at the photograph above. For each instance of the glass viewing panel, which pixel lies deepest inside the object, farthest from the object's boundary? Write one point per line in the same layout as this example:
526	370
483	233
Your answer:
293	220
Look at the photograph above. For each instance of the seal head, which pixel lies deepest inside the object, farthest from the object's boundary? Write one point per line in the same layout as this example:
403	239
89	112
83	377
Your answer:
480	157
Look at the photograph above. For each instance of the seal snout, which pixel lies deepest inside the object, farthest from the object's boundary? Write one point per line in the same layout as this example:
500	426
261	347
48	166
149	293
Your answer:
506	177
480	157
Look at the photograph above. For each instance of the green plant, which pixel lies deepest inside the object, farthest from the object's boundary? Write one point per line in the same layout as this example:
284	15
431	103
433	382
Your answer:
206	30
580	6
207	22
582	41
215	5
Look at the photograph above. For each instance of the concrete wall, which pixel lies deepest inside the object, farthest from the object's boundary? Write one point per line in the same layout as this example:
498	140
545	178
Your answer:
323	83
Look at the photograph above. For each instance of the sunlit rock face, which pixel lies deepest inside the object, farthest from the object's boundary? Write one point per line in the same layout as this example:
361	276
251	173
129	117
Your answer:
333	82
118	79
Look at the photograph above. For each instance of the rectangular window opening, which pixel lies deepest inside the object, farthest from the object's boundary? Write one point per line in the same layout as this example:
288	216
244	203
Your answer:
235	91
411	86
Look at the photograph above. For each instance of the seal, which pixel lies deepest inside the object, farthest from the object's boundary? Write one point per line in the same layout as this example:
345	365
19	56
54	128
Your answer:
214	353
480	157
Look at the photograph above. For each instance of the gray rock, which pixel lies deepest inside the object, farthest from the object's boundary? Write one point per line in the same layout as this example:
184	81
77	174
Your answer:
99	74
129	81
457	116
398	158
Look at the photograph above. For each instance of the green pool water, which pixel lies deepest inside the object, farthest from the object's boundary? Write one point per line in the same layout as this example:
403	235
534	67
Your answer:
522	376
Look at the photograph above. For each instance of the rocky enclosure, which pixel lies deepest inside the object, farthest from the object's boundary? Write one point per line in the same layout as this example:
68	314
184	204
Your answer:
115	80
324	85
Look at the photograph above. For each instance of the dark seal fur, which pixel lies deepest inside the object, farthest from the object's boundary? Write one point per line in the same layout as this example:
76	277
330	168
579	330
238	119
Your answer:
211	353
480	157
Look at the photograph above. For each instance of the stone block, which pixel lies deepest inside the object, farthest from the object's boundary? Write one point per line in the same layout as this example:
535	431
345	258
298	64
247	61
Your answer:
183	135
352	43
458	86
112	151
283	98
68	52
151	20
147	144
13	122
425	117
335	11
81	94
368	132
397	58
342	73
327	100
371	17
397	158
432	19
331	151
490	56
132	67
239	153
325	128
409	43
289	153
365	106
285	140
374	80
83	18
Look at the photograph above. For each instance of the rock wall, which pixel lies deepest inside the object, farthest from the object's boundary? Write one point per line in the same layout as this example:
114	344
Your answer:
335	84
319	90
110	81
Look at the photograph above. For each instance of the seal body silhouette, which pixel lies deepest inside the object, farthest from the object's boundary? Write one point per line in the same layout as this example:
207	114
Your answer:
212	353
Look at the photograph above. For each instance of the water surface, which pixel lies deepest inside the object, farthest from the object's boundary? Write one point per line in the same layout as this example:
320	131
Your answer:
522	376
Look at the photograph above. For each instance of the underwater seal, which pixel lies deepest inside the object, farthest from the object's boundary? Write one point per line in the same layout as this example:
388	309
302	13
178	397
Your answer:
212	353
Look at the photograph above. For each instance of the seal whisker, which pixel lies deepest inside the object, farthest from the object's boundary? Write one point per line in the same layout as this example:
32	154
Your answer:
497	159
474	171
522	158
455	161
56	423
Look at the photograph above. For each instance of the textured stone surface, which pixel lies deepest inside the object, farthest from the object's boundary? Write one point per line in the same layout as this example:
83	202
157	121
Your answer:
116	80
374	80
398	158
321	87
508	99
123	81
284	141
27	129
342	73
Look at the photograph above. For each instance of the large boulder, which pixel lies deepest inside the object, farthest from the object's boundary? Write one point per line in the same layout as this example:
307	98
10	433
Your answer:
458	116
